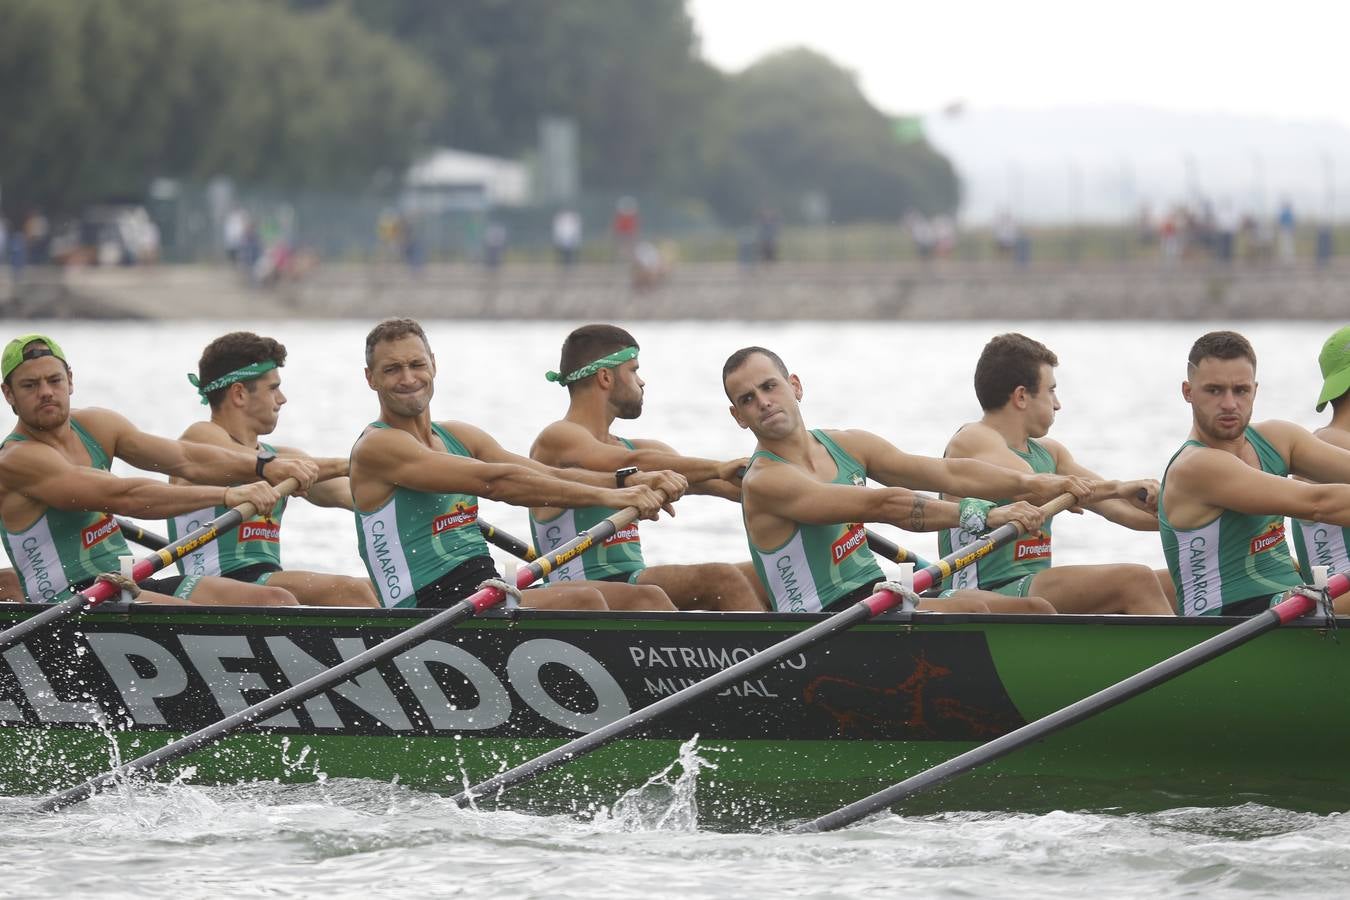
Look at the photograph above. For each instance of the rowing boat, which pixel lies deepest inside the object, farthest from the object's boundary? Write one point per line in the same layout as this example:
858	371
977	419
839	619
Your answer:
1267	722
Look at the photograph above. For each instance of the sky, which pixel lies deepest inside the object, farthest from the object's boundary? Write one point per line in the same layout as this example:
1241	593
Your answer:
1276	58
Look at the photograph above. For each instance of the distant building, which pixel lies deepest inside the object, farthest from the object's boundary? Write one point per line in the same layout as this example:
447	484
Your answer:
449	179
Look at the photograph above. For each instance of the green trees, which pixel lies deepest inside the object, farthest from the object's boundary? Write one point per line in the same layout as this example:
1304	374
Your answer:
98	97
101	96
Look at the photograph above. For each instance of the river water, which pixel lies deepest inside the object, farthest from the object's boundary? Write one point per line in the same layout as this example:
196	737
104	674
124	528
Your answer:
1123	416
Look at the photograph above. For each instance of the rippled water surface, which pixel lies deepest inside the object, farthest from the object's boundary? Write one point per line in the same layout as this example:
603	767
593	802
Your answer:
1123	416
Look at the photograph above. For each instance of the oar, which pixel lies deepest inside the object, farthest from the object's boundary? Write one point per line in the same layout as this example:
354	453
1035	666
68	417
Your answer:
99	591
513	545
839	622
390	647
1291	608
139	535
887	548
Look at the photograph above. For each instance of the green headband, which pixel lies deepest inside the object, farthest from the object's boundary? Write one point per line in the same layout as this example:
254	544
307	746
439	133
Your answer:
618	357
247	373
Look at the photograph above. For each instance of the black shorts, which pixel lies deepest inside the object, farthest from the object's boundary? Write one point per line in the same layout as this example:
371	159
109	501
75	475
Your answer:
258	573
622	577
460	582
852	597
1252	606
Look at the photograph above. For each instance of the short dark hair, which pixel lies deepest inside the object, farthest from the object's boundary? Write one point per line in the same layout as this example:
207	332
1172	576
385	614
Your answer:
737	359
587	344
1007	362
392	330
234	351
1221	345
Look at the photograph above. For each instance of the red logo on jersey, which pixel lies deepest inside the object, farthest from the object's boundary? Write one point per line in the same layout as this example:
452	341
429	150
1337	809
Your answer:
623	536
1036	546
99	531
458	519
854	538
266	530
1272	536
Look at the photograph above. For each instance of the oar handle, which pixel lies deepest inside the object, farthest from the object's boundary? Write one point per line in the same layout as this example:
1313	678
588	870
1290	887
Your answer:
145	567
368	659
513	545
963	556
1287	610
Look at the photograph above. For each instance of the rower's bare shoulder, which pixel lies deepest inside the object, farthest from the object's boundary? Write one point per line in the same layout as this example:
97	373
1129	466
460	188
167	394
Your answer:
207	433
556	438
1335	436
974	439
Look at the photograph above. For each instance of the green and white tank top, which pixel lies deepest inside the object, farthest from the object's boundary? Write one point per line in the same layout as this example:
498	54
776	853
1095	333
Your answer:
257	540
817	564
65	547
1233	558
1027	555
617	555
1321	545
415	537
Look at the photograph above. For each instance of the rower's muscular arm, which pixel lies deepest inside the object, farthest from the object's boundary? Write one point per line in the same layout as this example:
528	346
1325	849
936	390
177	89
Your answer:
198	463
397	459
1203	481
956	477
1120	500
333	488
43	476
566	445
1310	456
786	493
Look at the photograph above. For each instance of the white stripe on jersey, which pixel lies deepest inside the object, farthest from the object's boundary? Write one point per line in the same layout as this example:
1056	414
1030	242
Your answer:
205	560
384	551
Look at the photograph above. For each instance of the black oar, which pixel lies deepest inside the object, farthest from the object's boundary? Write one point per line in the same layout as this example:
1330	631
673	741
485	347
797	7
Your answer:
513	545
390	647
1293	607
885	547
139	535
166	556
821	631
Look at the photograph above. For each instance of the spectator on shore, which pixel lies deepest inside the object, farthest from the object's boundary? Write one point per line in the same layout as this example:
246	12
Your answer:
1284	224
567	237
625	227
494	245
233	232
768	236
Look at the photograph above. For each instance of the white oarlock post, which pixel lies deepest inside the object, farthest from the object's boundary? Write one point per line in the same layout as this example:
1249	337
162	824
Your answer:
126	565
1320	574
907	579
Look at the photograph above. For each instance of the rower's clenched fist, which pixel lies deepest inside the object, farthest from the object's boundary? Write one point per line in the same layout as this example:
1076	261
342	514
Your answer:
261	495
1027	517
671	484
647	501
303	470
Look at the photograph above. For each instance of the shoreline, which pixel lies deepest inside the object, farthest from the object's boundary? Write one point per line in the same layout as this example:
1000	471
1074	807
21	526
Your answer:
948	290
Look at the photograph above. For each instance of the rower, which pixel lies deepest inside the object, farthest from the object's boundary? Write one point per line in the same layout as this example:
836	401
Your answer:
1226	492
58	499
1015	384
239	376
1319	543
805	499
599	368
416	483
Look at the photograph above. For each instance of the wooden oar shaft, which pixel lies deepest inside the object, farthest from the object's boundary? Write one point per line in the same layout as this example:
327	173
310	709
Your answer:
841	621
513	545
1295	606
390	647
145	567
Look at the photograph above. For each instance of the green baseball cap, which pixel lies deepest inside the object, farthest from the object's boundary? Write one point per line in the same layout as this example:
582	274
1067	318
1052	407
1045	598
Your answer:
14	354
1335	362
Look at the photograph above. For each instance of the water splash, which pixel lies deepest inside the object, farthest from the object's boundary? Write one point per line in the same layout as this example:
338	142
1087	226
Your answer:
661	804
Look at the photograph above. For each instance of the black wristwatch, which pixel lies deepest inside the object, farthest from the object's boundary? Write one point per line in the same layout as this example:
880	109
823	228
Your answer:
621	475
264	457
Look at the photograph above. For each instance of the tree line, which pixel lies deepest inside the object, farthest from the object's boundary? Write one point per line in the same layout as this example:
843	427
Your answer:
98	97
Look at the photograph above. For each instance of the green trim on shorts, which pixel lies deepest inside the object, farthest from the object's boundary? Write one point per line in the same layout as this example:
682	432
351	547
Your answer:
1018	587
